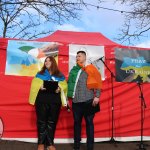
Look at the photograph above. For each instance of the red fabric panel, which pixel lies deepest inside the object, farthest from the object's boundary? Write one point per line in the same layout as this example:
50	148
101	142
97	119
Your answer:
87	38
20	119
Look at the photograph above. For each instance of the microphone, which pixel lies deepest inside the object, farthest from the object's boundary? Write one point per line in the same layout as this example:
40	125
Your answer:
68	108
100	58
139	82
96	60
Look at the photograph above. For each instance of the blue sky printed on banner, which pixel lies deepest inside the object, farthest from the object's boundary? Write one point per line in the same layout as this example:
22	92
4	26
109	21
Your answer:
19	61
135	62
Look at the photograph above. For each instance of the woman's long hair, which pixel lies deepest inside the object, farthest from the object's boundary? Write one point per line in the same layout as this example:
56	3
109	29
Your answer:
54	68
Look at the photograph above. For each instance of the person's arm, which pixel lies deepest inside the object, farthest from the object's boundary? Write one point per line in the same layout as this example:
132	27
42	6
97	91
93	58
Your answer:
97	93
35	86
63	88
97	97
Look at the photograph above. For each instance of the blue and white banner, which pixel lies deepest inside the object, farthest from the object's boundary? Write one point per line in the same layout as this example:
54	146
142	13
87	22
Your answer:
132	65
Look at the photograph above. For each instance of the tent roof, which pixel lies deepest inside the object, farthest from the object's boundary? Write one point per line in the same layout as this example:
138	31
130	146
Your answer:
89	38
71	37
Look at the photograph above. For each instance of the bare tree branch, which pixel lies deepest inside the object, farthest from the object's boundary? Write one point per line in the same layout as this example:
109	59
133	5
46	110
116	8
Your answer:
139	17
24	18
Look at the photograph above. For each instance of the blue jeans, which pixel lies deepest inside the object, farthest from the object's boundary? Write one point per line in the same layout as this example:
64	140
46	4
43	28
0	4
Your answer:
78	114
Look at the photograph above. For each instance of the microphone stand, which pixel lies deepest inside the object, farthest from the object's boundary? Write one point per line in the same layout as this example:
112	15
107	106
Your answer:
112	106
143	106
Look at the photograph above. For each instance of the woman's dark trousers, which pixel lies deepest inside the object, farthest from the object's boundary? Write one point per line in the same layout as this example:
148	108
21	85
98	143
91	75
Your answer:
47	117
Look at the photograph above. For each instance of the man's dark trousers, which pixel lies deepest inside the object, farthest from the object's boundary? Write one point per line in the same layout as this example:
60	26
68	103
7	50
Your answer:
78	114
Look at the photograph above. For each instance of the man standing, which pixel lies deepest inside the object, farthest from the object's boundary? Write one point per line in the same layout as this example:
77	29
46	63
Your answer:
84	86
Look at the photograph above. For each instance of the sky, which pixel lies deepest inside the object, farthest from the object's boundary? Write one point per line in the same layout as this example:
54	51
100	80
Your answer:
104	21
100	20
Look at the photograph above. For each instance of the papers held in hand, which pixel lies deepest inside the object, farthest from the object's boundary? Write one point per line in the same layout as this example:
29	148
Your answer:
51	86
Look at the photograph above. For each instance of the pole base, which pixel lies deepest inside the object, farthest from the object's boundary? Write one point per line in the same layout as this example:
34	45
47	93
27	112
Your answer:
142	146
112	140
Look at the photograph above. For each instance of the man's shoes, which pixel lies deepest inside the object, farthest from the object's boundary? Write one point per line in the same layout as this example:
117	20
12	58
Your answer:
76	146
51	147
41	147
90	147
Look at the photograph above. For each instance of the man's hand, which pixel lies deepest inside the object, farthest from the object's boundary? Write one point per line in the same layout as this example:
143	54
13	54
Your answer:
68	106
95	101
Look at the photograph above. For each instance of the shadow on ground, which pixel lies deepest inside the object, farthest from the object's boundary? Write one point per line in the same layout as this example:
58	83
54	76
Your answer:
16	145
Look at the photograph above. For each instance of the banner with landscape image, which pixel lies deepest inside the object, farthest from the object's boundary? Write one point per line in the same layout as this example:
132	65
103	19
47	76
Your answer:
25	58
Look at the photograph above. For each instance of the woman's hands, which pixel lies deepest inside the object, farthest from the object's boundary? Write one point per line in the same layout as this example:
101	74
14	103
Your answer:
68	106
58	90
42	88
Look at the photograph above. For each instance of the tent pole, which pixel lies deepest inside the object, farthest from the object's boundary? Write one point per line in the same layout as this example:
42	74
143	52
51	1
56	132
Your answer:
143	106
112	140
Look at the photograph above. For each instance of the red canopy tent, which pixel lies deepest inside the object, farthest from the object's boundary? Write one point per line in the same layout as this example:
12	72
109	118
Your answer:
19	117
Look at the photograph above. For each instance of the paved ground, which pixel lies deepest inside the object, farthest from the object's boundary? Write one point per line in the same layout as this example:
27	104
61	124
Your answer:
15	145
